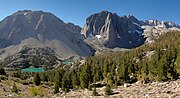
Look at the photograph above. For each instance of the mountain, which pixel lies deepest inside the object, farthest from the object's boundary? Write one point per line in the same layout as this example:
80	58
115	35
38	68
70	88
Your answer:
27	33
154	28
106	29
112	31
38	29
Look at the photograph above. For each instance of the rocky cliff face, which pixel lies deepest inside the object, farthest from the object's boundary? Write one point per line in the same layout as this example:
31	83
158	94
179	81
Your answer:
113	31
41	29
106	29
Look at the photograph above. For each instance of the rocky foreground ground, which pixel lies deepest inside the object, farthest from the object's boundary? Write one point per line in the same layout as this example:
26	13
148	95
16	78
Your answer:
169	89
137	90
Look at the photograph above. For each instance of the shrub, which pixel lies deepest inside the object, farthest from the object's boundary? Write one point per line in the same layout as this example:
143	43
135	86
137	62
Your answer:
15	79
36	91
2	77
24	82
16	74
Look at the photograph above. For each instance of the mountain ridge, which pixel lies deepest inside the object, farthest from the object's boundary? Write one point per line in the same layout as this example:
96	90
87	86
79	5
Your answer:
102	31
41	29
110	30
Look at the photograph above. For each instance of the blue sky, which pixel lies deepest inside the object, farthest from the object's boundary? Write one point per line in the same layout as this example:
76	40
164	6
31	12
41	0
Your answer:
76	11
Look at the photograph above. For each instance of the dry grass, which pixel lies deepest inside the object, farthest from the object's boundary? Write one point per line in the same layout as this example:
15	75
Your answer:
24	91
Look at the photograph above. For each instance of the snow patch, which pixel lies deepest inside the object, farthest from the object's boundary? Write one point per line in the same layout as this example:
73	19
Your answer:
98	36
160	26
138	31
130	42
118	36
151	21
25	13
136	24
82	33
129	31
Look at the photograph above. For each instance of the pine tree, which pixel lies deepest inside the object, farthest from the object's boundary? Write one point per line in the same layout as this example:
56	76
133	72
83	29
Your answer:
85	76
89	86
108	90
110	79
113	69
105	69
66	82
94	93
75	80
145	72
115	81
37	80
57	83
131	68
174	73
14	88
145	68
162	72
56	87
123	71
2	71
98	75
65	85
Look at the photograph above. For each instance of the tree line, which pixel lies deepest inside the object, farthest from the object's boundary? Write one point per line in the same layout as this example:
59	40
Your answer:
117	68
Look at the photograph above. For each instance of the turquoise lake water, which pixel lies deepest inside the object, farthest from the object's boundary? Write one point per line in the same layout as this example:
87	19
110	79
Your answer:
33	70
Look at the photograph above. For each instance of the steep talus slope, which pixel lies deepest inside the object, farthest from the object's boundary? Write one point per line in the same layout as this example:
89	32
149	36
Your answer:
41	29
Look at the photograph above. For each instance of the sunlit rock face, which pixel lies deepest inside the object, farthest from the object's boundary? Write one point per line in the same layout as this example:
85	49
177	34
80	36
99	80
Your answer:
110	30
